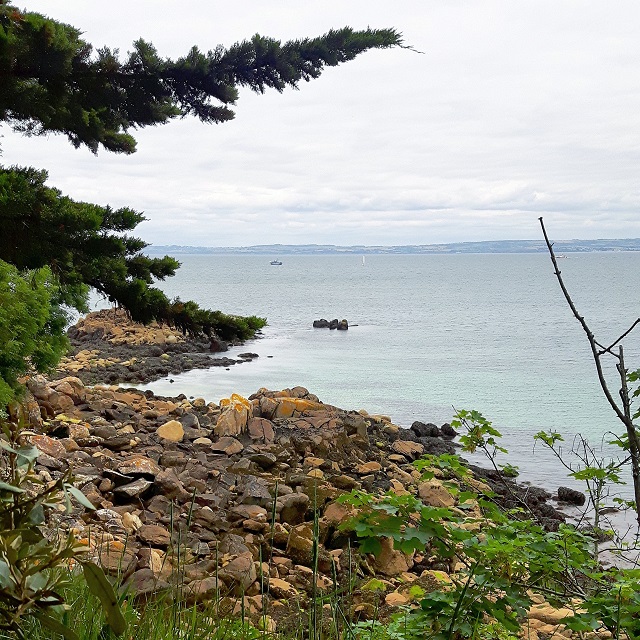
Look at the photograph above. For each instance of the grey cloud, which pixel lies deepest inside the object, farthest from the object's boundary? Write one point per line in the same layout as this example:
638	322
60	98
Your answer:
514	110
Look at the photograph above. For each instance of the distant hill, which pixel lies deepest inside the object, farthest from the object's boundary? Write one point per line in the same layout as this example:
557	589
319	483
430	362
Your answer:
492	246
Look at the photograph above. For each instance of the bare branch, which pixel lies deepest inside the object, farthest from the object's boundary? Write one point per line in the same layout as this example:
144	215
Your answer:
590	337
624	335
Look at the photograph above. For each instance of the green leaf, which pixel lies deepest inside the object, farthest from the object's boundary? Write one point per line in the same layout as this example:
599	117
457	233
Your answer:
371	545
101	587
79	496
5	575
30	454
57	627
6	447
11	488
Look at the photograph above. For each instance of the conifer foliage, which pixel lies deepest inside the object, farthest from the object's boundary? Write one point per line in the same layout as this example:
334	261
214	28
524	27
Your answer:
52	81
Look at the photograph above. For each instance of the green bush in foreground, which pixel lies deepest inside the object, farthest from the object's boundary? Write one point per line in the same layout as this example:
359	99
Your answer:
32	326
34	562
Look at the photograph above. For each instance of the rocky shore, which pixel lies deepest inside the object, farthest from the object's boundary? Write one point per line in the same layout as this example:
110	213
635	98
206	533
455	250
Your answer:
221	501
237	502
106	347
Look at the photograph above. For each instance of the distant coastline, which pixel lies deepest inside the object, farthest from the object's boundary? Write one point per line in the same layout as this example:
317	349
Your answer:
491	246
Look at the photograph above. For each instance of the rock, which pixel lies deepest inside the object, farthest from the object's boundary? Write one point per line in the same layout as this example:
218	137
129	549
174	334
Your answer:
134	489
263	459
168	484
118	443
240	573
293	508
235	416
565	494
228	445
345	482
190	421
335	513
217	346
448	431
390	561
248	512
173	431
39	387
131	522
49	446
281	588
255	491
411	450
395	599
548	614
116	558
154	535
423	430
144	582
261	429
202	590
434	494
368	467
300	543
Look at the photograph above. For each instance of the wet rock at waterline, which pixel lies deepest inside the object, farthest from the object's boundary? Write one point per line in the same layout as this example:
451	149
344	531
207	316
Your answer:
341	325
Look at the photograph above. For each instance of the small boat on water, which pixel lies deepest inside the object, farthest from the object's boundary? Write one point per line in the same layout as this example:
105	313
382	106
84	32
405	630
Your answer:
275	262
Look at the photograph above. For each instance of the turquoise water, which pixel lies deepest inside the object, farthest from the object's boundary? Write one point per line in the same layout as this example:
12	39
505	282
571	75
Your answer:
486	332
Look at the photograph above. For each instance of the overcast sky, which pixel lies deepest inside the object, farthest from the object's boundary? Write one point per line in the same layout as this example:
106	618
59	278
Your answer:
514	110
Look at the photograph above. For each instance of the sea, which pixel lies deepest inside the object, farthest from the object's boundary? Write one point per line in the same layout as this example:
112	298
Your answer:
429	335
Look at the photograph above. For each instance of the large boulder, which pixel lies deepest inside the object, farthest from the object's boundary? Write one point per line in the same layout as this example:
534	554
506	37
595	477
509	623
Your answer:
235	416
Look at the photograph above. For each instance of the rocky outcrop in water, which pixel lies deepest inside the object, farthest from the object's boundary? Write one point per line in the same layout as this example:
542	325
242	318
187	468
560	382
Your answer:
341	325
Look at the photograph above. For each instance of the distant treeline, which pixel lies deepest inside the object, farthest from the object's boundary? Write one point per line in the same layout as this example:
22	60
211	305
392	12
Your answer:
493	246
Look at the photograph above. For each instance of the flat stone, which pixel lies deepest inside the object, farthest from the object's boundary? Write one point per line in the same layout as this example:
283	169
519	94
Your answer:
249	512
118	443
154	535
51	446
395	599
368	467
281	588
263	459
345	482
228	445
133	489
140	465
411	450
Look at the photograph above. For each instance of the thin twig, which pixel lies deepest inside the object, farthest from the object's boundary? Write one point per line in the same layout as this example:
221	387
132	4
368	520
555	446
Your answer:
624	335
